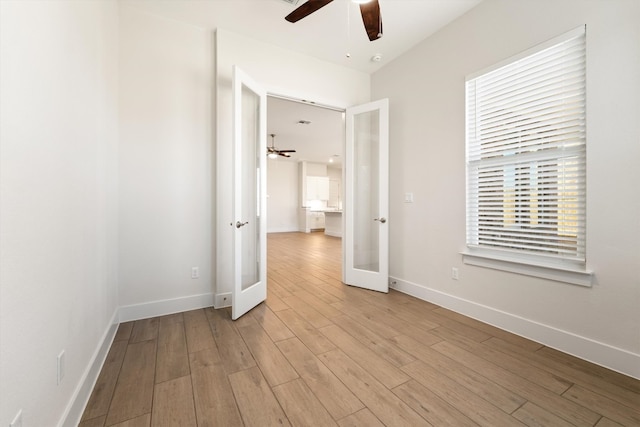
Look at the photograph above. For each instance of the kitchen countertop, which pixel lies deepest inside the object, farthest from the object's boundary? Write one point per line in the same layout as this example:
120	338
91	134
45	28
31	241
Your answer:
326	210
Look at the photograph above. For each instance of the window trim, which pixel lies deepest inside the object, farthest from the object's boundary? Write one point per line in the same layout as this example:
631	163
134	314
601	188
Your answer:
573	273
547	267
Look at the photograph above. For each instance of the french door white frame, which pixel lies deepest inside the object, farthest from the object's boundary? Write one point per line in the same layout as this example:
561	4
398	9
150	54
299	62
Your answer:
374	277
250	254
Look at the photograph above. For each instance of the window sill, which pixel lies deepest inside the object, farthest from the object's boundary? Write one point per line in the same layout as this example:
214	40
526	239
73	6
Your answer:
566	274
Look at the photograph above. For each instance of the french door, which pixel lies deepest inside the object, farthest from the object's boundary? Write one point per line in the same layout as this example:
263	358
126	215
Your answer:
249	197
366	241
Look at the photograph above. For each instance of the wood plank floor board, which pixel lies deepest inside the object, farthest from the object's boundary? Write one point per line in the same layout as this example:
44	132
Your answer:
173	404
274	366
521	342
465	401
590	370
457	326
172	358
144	330
310	336
276	289
417	330
534	416
385	372
620	391
385	405
233	351
124	331
133	394
141	421
310	314
301	406
100	399
431	407
213	397
170	318
611	409
204	358
362	418
606	422
93	422
516	365
271	323
275	303
367	320
575	413
473	380
373	341
319	352
198	331
256	401
323	307
333	394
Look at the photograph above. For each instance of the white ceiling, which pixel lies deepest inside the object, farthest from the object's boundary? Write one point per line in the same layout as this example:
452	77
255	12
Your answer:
317	141
324	35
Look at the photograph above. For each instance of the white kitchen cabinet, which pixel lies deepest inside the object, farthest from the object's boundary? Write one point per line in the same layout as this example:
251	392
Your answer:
317	188
316	220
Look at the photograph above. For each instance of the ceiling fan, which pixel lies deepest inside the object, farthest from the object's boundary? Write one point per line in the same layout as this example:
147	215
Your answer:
273	152
370	11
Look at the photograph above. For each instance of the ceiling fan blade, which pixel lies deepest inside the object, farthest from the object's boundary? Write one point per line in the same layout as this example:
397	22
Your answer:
372	20
286	151
280	153
306	9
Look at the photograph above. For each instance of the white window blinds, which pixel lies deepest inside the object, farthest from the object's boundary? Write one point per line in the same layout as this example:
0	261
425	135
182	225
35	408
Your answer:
526	150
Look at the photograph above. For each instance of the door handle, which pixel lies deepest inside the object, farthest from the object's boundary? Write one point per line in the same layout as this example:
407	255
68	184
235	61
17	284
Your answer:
241	224
382	220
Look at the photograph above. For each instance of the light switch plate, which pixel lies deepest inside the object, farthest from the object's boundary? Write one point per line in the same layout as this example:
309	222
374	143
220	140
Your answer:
408	197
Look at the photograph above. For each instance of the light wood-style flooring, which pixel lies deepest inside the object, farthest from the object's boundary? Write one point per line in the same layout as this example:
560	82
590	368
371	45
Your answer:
320	353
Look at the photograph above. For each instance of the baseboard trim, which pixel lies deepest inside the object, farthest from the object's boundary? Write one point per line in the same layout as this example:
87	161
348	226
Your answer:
610	357
75	409
292	229
222	300
145	310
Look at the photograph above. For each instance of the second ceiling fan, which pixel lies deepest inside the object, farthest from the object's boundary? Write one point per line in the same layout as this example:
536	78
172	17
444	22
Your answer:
273	152
370	11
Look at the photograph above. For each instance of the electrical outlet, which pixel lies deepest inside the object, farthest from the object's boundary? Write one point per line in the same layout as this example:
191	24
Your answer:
61	358
17	420
195	272
454	273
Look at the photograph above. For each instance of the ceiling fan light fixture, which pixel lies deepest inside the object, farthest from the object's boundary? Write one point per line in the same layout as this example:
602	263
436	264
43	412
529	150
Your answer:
272	155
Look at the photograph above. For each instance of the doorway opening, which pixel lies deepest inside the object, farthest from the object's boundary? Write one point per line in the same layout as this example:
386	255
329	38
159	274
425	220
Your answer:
305	187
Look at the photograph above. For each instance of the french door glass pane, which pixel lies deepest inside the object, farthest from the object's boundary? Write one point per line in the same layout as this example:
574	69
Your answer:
250	188
366	197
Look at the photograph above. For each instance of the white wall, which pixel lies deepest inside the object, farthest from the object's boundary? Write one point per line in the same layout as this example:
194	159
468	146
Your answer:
165	162
281	72
58	242
426	91
282	191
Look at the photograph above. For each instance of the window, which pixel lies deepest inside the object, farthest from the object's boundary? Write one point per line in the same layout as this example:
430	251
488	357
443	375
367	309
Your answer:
526	150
